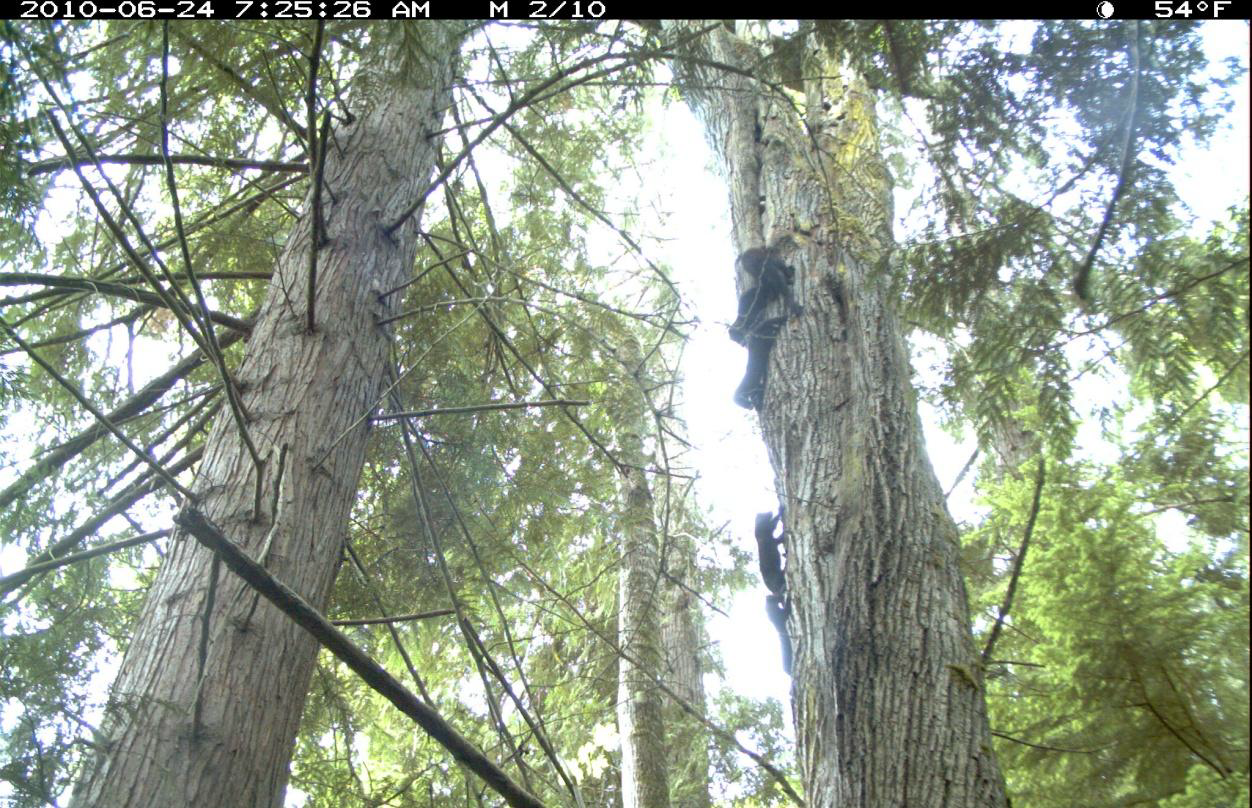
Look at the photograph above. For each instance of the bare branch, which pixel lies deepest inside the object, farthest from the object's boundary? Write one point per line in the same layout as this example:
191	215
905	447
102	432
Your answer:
10	582
1018	563
335	641
501	405
400	618
236	163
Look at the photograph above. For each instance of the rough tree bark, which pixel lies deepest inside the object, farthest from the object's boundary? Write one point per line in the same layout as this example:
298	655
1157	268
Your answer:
181	734
640	725
683	640
887	693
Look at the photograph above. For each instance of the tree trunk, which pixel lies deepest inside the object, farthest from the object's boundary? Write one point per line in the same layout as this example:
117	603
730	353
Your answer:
639	721
887	693
179	733
682	637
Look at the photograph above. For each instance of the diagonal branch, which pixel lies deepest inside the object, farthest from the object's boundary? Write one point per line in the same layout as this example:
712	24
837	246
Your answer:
135	492
136	404
1017	564
244	86
87	404
8	582
335	641
1083	275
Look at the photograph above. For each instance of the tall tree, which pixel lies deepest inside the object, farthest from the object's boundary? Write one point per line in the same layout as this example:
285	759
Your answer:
888	693
685	642
645	762
889	690
206	705
479	543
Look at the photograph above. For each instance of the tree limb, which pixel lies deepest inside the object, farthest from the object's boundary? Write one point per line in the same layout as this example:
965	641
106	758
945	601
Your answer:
362	665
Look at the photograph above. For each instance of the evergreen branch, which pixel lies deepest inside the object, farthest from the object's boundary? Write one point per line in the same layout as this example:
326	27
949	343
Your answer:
126	319
1044	747
196	419
95	411
555	84
400	618
252	202
171	298
133	406
471	638
416	490
135	492
504	340
593	211
678	700
1242	358
1083	275
391	627
1168	294
245	87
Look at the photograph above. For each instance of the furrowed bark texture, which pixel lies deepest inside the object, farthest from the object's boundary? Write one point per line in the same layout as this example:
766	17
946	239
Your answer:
887	693
224	738
639	721
683	639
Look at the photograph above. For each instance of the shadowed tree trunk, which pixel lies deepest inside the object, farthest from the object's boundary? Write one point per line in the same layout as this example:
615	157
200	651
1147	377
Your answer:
683	640
887	693
640	724
219	733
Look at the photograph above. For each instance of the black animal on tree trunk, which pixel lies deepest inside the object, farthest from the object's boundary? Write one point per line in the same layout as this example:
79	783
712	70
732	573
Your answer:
751	391
777	611
772	279
767	552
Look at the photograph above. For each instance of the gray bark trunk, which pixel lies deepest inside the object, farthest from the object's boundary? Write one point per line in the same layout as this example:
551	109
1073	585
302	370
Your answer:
640	725
887	692
180	735
683	638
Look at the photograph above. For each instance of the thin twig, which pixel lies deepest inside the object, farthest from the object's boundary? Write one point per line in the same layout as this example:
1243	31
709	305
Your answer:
233	399
400	618
1018	563
118	504
112	288
87	404
62	163
501	405
16	579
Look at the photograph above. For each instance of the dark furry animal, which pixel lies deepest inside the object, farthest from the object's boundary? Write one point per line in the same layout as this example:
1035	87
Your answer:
751	391
777	610
771	279
767	552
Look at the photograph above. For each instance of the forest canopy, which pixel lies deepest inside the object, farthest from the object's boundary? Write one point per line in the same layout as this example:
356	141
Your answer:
405	313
